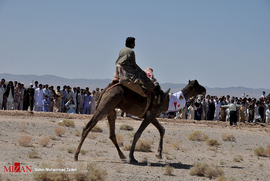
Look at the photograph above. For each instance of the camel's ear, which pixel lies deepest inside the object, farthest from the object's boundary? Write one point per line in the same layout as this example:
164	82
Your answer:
167	92
188	81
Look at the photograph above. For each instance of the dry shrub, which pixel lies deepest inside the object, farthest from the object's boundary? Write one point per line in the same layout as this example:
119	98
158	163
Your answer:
143	146
93	173
238	158
227	137
83	152
44	141
22	127
78	133
126	127
127	147
92	135
97	129
59	131
206	170
167	139
168	170
267	151
120	139
67	123
25	141
212	142
33	154
198	136
260	151
71	150
177	144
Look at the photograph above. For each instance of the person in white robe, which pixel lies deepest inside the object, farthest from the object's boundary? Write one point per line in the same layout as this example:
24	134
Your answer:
191	111
74	96
217	109
93	103
2	91
10	95
38	98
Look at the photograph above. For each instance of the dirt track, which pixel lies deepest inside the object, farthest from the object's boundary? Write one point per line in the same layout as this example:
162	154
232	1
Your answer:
99	148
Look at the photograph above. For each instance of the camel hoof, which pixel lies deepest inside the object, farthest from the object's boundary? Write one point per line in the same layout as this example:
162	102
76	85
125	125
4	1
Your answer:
123	157
76	158
133	161
159	156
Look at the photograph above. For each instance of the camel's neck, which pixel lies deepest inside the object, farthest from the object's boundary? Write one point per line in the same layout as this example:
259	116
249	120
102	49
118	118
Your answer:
187	93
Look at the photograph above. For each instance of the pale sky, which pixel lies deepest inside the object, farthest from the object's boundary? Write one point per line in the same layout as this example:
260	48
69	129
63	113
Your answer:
221	43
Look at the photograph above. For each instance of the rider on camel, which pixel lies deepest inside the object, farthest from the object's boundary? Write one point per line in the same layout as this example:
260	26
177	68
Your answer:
127	61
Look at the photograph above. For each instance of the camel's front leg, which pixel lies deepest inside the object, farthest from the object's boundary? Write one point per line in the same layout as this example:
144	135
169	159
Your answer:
149	117
161	130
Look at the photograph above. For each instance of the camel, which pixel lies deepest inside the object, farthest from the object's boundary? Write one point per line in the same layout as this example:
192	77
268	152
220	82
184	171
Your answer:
118	96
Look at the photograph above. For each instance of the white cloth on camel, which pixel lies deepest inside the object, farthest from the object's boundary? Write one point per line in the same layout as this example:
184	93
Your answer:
177	102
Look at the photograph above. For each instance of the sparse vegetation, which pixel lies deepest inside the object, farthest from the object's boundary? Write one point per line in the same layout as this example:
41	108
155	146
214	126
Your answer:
25	141
176	145
44	141
206	170
260	151
97	129
238	158
92	135
120	139
168	170
70	150
33	154
227	137
67	123
59	131
143	145
267	150
78	133
83	152
93	173
212	142
198	136
126	127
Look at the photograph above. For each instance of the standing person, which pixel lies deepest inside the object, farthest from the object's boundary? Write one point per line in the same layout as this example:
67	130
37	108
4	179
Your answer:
87	99
93	103
31	94
199	112
36	85
251	108
51	97
80	101
97	93
74	96
46	91
17	97
38	98
242	113
191	111
57	104
46	104
217	109
267	115
64	98
263	94
22	96
211	110
9	95
233	115
25	99
60	96
2	92
126	60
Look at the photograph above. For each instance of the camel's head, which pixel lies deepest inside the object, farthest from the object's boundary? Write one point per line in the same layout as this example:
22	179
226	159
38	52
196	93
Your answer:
195	88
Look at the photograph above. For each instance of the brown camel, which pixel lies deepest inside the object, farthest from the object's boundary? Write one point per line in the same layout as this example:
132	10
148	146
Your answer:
120	97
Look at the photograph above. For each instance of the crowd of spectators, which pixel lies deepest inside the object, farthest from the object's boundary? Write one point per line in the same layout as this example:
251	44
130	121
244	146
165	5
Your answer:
40	97
233	109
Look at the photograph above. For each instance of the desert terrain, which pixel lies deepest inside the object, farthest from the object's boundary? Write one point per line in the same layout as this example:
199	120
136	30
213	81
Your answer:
236	157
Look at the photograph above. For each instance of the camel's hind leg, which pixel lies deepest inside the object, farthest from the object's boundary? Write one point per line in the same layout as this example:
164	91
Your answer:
161	130
111	118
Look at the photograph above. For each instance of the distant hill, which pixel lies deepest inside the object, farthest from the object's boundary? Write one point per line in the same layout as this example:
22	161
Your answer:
101	83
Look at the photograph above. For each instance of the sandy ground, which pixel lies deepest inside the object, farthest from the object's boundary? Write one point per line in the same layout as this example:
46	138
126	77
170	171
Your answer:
99	148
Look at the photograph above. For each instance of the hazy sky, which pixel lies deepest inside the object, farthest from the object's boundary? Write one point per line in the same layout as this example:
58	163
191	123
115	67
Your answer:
219	43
